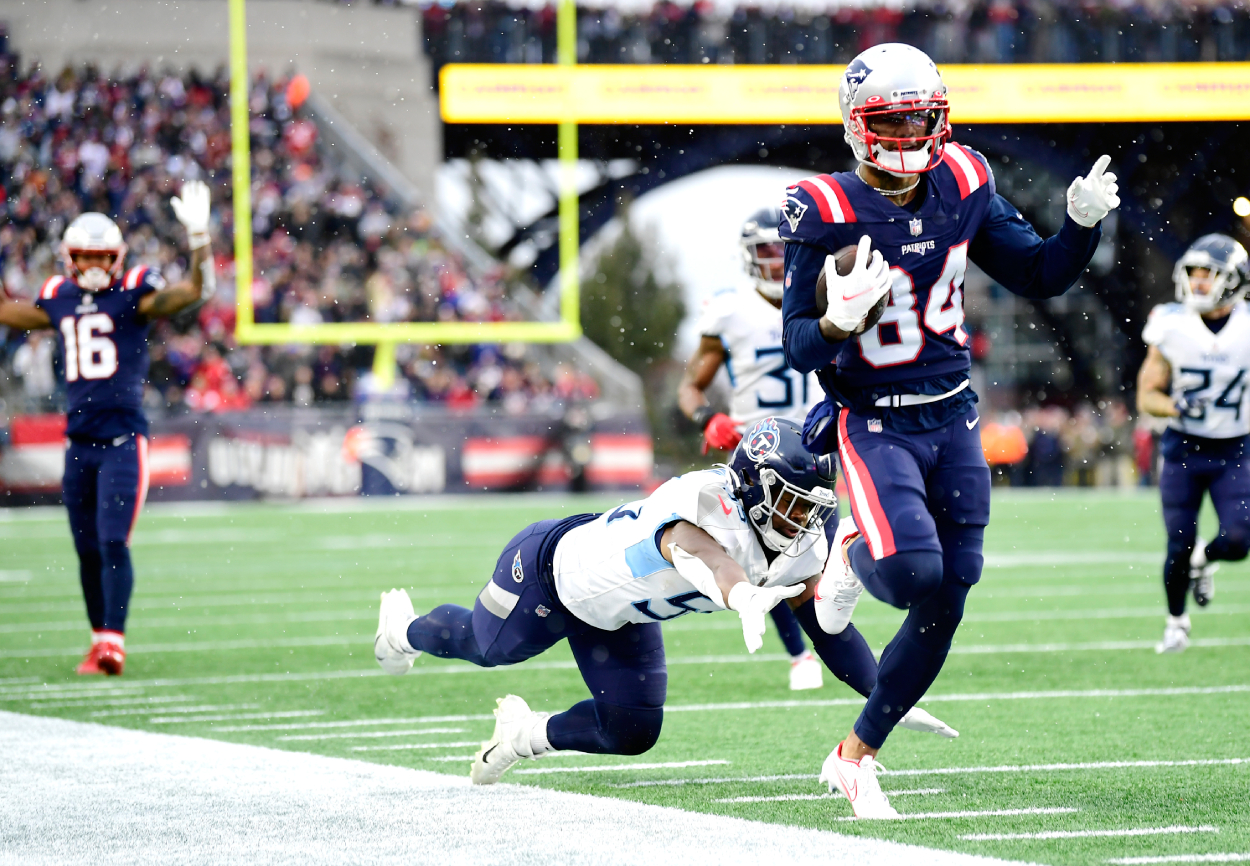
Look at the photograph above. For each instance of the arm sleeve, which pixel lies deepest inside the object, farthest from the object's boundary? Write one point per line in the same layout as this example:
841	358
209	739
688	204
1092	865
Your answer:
1009	249
805	348
1154	332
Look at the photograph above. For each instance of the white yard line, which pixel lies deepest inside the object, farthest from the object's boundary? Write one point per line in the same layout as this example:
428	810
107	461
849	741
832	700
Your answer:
606	768
15	576
837	795
714	781
364	734
357	723
980	813
232	717
1183	858
1087	834
204	708
162	701
405	746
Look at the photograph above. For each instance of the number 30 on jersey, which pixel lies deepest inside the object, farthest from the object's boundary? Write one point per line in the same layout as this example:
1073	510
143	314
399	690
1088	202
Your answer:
88	353
899	335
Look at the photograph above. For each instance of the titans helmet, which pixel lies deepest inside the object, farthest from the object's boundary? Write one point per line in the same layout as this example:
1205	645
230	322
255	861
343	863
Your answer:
762	251
1230	273
93	233
786	490
900	84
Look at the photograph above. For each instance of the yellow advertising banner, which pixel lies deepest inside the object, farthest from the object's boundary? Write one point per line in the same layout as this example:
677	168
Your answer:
1040	93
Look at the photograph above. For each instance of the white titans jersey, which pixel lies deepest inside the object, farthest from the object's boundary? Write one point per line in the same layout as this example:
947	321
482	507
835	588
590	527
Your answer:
609	572
1205	366
750	330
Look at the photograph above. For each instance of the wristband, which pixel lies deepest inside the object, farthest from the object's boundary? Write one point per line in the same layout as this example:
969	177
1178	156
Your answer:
208	278
195	240
703	415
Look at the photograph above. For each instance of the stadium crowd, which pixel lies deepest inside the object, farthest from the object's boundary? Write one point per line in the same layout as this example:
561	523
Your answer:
327	247
950	31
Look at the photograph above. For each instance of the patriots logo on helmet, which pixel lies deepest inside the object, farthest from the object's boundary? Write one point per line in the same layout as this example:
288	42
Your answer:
793	209
856	73
762	441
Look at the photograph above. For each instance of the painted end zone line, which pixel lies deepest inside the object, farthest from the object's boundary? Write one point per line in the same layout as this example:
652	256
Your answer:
1084	834
838	795
609	767
986	813
1184	858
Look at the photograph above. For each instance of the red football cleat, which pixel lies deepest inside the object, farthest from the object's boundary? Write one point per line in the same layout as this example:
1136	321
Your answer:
91	662
111	658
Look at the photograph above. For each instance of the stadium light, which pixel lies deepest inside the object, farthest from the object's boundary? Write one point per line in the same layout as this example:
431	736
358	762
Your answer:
1241	206
387	335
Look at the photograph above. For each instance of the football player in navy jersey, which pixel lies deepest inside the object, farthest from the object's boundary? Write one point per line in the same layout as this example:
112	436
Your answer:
898	406
101	313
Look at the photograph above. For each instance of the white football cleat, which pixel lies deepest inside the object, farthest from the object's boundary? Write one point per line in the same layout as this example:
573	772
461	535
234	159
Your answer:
390	644
858	781
839	589
1202	574
806	672
1175	635
917	719
514	725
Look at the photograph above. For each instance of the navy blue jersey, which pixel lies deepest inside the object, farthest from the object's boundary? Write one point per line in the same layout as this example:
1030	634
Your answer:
920	344
104	341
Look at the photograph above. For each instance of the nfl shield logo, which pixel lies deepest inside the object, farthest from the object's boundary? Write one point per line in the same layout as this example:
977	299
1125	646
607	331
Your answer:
874	425
518	573
916	227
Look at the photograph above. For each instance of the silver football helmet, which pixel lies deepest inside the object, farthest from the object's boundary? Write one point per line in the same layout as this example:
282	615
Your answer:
895	87
93	233
1228	268
762	252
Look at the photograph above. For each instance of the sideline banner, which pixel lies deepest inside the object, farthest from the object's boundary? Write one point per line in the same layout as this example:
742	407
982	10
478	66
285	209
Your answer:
293	453
1008	93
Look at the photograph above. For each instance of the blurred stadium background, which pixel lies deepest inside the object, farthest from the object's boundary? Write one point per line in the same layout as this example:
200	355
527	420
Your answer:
367	207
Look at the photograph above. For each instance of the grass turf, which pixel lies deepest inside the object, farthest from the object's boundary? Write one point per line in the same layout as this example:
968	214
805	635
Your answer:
254	623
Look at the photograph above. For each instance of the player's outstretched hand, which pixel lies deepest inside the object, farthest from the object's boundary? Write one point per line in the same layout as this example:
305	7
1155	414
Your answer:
1092	197
851	297
721	432
752	603
192	210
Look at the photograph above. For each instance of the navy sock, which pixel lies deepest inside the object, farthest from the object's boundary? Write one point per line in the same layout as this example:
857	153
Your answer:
788	629
1176	576
117	580
90	566
605	729
447	632
847	654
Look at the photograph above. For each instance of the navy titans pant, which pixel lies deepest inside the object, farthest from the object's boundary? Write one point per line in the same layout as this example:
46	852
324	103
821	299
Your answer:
104	486
1186	476
921	502
516	618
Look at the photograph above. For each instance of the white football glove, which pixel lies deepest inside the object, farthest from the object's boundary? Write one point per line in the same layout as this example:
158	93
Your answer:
853	296
1092	197
752	603
192	210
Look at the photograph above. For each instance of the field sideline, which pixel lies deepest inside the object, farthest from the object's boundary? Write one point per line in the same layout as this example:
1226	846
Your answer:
253	624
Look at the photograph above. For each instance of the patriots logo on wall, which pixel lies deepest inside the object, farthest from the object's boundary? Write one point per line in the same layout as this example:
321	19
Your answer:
793	209
518	573
762	441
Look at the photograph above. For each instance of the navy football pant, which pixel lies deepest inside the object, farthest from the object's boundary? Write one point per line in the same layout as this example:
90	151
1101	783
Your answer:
788	629
1182	484
921	502
103	488
514	620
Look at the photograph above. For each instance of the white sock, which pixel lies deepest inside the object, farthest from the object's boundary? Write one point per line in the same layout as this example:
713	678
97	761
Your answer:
110	636
403	637
1181	621
539	744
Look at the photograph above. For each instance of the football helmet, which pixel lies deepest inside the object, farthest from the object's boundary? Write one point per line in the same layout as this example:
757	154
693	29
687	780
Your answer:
775	476
899	85
762	252
93	233
1229	265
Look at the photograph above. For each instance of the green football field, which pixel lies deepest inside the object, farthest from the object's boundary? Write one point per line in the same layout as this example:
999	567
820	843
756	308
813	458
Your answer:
1080	745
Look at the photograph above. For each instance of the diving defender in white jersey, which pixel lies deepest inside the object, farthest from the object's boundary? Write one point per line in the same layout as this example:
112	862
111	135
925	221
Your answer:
740	537
1195	375
740	329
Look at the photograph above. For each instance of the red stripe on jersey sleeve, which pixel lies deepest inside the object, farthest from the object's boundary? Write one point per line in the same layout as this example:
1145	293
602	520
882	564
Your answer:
134	275
848	212
957	170
822	204
48	292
